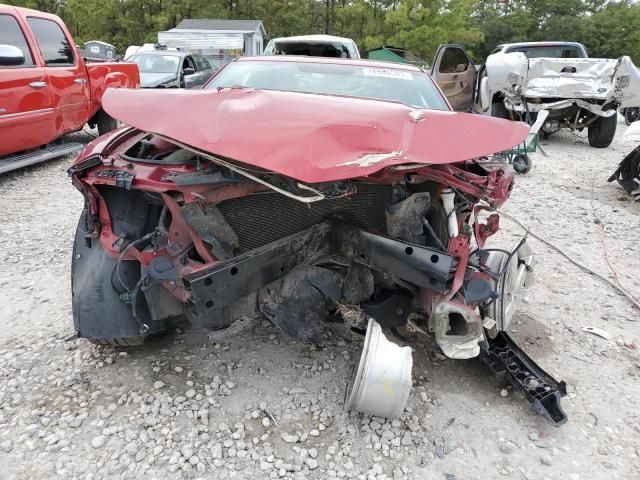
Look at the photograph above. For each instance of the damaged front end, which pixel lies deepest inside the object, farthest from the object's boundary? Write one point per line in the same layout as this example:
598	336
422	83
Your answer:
577	93
172	234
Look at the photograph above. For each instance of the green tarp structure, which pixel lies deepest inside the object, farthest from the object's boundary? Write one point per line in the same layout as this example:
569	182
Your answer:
396	54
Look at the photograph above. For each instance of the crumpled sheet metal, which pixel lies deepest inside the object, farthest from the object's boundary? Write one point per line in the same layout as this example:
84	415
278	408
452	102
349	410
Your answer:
312	138
594	78
518	106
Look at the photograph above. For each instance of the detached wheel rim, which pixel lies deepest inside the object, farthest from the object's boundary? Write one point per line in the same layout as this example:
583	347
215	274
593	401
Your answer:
507	287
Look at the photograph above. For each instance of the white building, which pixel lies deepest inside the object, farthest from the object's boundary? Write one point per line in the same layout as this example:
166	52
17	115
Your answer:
218	40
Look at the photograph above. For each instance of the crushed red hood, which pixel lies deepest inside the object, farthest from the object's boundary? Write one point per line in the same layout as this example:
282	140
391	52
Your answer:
312	138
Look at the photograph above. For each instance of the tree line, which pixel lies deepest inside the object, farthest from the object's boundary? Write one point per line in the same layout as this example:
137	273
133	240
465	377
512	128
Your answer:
607	28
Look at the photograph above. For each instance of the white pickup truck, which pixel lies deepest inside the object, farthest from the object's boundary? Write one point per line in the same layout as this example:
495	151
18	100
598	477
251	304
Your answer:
520	79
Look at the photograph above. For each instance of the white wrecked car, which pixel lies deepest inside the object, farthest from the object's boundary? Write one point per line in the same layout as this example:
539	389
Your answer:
313	46
520	79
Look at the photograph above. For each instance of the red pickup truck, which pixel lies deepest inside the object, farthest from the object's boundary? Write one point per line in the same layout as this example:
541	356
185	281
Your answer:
46	89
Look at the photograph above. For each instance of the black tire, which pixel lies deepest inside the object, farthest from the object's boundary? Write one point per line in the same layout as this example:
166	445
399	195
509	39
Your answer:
104	122
522	163
631	115
602	131
98	313
498	110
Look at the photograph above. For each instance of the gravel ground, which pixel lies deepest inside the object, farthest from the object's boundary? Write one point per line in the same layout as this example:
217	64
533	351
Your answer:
264	406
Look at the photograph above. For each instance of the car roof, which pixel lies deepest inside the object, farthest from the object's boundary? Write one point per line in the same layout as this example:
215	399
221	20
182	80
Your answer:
176	53
330	60
541	44
29	12
313	38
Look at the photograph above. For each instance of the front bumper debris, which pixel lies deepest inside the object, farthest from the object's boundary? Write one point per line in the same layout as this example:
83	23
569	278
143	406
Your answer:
458	329
561	105
219	286
511	364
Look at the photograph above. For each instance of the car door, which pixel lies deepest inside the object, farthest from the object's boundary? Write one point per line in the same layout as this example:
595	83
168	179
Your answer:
190	80
26	113
482	96
68	82
204	68
200	72
454	72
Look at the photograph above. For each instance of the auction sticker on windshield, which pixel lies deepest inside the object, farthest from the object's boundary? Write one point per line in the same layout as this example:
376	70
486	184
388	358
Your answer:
386	73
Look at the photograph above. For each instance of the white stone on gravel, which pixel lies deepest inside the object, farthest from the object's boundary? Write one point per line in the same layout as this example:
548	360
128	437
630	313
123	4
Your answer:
508	447
290	437
216	451
76	422
298	391
186	451
98	441
6	446
158	385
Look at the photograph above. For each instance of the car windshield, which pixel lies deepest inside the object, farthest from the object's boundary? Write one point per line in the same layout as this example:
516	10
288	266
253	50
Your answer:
156	63
412	88
560	51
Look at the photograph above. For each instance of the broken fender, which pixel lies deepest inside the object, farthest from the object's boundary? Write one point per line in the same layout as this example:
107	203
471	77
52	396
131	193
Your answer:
312	138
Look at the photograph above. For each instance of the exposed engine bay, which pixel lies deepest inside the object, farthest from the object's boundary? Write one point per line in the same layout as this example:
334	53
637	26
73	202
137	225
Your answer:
371	214
198	243
398	242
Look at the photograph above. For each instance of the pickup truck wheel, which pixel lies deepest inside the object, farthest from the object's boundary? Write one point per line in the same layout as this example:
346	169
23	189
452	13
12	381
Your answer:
104	122
602	131
99	314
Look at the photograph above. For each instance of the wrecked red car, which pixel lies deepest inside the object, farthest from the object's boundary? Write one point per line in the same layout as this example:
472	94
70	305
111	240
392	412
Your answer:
297	189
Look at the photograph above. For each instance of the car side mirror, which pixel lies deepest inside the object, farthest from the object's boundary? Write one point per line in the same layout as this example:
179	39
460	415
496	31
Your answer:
461	67
188	71
10	56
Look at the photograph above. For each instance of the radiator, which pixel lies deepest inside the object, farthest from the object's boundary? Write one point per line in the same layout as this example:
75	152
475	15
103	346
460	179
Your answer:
265	217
